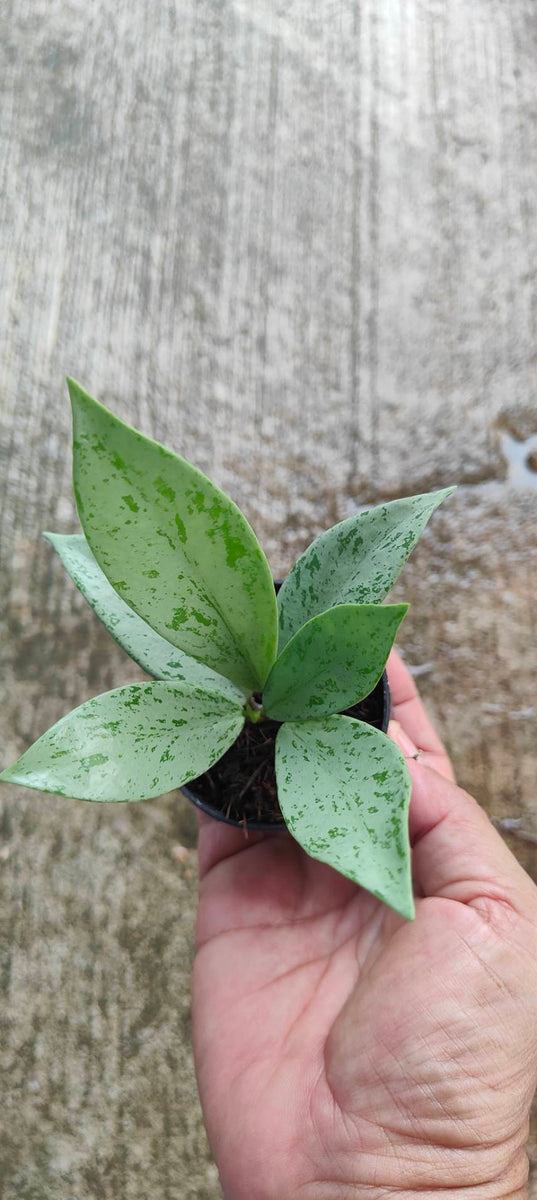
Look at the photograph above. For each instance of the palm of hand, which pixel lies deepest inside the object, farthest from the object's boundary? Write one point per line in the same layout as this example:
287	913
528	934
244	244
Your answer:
340	1049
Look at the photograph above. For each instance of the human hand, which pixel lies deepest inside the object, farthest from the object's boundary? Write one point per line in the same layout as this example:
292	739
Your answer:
343	1053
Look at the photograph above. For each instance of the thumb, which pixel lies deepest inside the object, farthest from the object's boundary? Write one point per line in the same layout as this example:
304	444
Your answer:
457	853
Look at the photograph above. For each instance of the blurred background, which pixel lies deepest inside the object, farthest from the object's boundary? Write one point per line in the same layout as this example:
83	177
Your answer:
297	243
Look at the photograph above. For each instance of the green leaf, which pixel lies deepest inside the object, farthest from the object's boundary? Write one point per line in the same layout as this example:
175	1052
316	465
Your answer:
333	661
355	562
151	651
173	546
344	791
130	744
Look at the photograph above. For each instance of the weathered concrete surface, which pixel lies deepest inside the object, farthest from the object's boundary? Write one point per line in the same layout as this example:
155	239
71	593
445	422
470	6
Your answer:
297	243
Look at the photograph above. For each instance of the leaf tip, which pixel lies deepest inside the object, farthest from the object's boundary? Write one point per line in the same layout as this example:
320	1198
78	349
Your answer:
81	399
408	910
9	775
75	389
443	493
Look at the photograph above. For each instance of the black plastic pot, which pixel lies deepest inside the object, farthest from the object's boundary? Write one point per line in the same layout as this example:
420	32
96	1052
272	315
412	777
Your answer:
379	704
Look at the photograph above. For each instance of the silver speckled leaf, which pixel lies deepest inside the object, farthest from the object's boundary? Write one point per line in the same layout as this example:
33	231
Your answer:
132	743
173	546
333	661
344	790
355	562
151	651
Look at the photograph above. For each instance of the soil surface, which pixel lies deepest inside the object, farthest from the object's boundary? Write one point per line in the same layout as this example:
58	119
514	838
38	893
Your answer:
242	784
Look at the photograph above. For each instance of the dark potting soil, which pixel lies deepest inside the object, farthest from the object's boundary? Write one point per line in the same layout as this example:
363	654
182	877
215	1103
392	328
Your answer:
242	784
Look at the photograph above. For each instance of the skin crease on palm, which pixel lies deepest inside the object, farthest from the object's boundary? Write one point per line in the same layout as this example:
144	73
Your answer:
345	1053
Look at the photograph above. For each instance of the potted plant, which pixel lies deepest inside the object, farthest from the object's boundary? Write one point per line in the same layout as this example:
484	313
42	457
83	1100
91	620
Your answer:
287	688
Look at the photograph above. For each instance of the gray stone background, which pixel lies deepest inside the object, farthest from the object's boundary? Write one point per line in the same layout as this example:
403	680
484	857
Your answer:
297	242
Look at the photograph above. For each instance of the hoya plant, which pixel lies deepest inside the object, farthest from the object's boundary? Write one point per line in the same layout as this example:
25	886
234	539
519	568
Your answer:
175	572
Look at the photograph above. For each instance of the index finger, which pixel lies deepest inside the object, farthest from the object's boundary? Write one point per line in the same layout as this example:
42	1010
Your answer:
408	709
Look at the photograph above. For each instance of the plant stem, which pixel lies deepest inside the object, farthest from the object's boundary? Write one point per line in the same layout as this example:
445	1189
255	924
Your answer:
253	711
